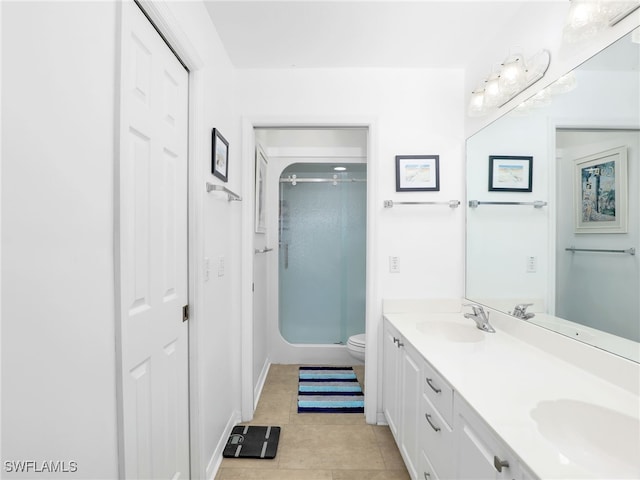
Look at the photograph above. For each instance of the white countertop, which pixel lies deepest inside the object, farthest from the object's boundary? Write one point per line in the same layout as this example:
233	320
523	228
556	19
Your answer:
505	378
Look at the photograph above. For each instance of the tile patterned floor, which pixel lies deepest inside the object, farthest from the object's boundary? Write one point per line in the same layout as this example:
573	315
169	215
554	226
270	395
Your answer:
316	446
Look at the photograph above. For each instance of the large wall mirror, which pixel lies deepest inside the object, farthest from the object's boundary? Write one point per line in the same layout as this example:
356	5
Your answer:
553	212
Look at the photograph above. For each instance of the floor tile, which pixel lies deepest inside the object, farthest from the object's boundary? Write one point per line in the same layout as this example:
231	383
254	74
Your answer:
370	475
280	474
316	446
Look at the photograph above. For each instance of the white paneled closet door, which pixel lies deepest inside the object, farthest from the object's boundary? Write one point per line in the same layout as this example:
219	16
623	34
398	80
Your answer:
152	251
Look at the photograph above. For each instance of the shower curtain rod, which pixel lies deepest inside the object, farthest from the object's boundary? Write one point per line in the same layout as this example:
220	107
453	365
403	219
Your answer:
293	180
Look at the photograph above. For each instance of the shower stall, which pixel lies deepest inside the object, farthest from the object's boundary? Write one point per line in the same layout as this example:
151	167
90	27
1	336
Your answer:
322	252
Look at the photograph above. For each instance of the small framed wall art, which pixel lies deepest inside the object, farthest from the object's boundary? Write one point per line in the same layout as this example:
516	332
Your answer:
417	173
509	173
600	192
219	155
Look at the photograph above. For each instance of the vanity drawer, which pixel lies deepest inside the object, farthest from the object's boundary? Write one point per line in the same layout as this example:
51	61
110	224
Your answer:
436	438
439	393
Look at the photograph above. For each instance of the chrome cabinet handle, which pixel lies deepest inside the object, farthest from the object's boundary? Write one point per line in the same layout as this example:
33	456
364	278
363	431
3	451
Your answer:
395	340
427	476
435	389
500	464
428	417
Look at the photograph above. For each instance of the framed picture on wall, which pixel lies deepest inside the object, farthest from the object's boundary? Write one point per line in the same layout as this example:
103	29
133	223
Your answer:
417	173
600	192
509	173
260	191
219	155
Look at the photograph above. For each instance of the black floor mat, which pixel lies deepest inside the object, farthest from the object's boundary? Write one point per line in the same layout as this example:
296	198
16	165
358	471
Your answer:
252	442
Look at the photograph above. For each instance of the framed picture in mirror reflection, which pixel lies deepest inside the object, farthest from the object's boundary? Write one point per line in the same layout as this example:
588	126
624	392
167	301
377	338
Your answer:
600	192
509	173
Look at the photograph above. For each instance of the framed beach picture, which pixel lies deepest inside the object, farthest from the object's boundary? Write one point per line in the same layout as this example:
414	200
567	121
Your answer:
417	173
509	173
600	192
219	155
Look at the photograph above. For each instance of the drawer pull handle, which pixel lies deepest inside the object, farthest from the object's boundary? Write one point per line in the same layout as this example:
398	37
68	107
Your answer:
435	389
428	417
427	476
499	464
395	340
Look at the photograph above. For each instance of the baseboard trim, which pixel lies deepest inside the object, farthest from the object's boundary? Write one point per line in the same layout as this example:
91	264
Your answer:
257	391
216	459
382	420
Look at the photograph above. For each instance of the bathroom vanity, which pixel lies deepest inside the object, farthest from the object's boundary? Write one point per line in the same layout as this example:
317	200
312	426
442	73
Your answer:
521	403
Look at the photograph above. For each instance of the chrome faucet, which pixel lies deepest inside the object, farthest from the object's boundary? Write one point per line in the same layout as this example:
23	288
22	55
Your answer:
480	317
520	311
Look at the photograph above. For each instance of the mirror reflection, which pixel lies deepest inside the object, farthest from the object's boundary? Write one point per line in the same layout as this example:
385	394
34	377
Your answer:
553	207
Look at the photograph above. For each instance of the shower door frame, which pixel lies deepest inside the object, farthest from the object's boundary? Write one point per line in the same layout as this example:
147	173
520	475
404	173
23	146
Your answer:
373	303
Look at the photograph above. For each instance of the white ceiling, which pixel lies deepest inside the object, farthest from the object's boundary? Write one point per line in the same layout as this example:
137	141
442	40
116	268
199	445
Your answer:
379	34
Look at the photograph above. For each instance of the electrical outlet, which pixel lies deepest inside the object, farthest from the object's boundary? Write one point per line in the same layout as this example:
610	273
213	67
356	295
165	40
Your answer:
394	264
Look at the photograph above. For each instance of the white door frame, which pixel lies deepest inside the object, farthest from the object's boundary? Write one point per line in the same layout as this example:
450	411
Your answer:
165	22
373	304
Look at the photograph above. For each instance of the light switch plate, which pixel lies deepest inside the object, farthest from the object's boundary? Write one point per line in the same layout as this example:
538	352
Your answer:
394	264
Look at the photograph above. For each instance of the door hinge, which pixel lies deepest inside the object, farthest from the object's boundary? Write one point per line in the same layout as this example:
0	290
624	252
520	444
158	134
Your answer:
185	313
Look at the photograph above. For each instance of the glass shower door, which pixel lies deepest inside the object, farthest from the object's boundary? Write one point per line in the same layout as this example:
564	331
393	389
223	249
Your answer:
322	257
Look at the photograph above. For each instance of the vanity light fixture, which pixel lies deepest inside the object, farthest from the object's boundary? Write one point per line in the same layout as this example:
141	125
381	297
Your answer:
586	18
564	84
515	75
339	169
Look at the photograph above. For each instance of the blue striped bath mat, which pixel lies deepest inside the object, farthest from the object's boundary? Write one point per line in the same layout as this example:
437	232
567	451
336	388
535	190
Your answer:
329	390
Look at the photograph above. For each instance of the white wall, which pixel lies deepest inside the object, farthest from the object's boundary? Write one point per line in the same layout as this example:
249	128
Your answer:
414	112
58	347
59	64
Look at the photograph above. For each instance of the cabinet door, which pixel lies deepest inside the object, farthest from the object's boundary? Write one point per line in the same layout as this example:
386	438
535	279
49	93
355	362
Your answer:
409	407
391	377
437	439
480	454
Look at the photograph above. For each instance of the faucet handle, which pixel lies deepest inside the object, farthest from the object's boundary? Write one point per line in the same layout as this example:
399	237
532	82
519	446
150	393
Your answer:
477	309
522	307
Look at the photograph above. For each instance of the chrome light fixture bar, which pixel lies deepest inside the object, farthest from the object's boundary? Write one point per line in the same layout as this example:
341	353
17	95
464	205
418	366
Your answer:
515	75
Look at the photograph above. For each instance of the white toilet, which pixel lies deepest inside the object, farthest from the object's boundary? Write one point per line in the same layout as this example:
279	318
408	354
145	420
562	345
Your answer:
355	345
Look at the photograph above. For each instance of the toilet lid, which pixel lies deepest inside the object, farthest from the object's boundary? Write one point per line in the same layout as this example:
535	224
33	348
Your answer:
357	340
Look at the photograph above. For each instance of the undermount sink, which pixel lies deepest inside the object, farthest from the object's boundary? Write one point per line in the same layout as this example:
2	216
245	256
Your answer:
454	332
600	440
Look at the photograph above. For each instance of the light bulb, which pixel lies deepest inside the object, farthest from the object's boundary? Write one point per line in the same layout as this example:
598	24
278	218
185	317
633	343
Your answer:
492	92
585	19
476	103
513	75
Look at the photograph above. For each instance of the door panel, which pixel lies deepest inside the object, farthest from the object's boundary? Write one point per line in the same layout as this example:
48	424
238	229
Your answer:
153	253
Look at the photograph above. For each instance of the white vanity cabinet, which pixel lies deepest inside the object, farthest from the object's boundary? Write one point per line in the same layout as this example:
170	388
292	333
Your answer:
402	389
436	425
439	435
